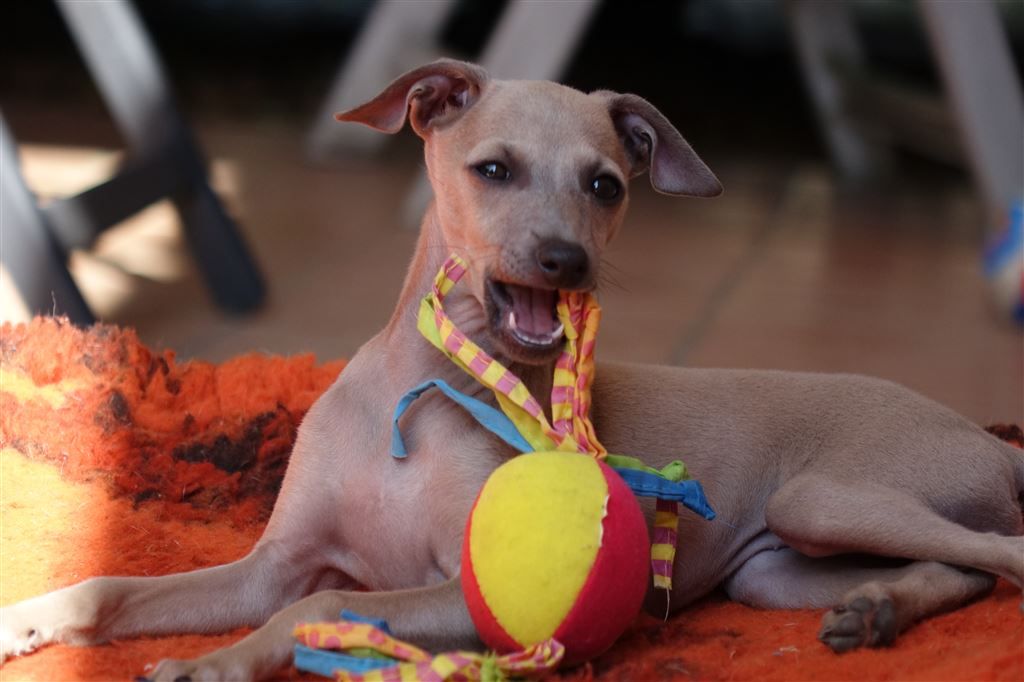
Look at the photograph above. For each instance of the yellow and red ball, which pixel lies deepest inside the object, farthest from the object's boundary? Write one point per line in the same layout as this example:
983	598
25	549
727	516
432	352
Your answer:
555	547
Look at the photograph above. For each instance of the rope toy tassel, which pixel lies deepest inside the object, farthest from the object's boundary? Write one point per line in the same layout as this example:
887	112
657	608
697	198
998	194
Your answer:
663	544
358	649
391	660
570	428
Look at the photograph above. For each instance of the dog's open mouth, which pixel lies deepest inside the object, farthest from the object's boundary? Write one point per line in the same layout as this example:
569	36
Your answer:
525	315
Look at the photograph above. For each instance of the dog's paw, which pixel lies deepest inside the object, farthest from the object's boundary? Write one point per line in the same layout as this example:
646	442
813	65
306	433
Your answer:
219	666
861	622
19	633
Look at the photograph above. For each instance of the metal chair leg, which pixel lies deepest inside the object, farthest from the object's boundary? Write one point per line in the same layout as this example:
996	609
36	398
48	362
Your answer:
132	82
27	247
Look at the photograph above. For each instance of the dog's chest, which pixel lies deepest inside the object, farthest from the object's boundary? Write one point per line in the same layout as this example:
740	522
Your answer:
402	523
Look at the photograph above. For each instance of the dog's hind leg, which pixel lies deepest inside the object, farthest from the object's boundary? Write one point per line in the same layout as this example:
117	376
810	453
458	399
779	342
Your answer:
818	518
246	592
873	614
433	617
872	599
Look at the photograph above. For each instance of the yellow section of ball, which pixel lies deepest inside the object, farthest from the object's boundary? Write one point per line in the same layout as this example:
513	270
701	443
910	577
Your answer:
535	534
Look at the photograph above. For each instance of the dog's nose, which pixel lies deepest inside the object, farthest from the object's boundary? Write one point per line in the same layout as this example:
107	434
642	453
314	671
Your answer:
564	265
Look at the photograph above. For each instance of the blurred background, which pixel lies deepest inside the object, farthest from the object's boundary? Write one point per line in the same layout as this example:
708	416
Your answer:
867	165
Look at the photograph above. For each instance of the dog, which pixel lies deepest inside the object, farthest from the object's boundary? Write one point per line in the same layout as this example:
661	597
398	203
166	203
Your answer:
836	490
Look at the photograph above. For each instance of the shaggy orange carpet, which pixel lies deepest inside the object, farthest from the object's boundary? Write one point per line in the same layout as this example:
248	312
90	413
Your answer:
120	460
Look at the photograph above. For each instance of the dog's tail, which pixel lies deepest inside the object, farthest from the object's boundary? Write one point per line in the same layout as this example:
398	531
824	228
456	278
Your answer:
1012	434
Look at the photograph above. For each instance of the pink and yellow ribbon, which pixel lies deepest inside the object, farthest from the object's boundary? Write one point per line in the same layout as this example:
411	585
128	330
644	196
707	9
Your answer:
570	428
415	665
570	395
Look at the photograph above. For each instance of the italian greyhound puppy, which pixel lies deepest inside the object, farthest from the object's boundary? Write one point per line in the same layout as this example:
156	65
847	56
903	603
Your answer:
837	492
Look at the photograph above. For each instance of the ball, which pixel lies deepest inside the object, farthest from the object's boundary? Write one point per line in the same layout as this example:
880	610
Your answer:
555	546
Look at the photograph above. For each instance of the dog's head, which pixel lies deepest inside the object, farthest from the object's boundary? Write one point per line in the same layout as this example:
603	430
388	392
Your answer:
531	183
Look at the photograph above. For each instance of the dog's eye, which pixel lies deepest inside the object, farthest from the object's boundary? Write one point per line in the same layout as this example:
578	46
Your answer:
606	188
492	170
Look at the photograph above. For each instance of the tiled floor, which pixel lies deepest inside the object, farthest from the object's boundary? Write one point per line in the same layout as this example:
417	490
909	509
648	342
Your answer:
786	270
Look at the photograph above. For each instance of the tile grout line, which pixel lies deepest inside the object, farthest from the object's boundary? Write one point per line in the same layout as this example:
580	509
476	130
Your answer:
791	201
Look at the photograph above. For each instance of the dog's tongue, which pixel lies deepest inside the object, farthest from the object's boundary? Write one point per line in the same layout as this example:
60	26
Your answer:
534	310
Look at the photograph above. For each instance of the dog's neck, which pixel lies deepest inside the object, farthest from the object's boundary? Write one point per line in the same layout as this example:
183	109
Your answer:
432	250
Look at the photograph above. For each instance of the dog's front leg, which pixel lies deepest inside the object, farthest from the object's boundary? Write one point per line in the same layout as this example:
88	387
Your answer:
433	617
245	592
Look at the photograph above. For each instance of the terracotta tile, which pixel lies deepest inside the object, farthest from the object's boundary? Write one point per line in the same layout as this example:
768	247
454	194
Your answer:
669	260
866	289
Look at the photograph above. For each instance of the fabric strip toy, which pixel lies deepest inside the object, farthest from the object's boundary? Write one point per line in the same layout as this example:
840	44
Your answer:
570	428
524	426
358	649
671	483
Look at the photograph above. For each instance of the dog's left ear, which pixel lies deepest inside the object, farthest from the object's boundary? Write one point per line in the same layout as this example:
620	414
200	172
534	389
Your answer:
652	143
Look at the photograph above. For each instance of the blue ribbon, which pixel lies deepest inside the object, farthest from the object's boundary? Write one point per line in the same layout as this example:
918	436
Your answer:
642	483
646	484
491	419
325	662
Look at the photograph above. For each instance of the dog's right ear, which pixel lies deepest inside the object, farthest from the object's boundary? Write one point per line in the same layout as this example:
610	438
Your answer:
431	96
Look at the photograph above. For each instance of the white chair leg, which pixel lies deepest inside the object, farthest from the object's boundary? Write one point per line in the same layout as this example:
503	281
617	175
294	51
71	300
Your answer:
535	40
823	31
984	91
399	35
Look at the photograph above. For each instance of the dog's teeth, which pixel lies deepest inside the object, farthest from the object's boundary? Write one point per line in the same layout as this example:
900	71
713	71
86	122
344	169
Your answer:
537	340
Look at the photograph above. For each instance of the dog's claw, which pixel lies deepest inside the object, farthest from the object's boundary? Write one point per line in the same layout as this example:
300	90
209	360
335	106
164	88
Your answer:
884	628
847	624
841	645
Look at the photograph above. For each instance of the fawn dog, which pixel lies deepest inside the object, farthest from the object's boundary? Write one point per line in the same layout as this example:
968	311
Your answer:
815	475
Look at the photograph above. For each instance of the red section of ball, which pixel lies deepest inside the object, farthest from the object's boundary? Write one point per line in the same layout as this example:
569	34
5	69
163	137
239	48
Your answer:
614	591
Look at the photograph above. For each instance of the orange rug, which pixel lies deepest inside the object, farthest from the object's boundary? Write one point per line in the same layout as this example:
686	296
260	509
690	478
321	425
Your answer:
120	460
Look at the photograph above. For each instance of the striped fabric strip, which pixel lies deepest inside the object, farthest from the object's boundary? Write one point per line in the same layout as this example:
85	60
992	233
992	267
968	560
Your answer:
415	665
663	545
354	635
466	666
518	403
570	427
661	536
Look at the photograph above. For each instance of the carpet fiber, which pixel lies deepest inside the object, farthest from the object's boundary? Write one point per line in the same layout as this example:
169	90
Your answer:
120	460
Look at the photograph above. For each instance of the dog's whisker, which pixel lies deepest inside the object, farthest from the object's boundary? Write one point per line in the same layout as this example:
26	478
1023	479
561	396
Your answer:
606	281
